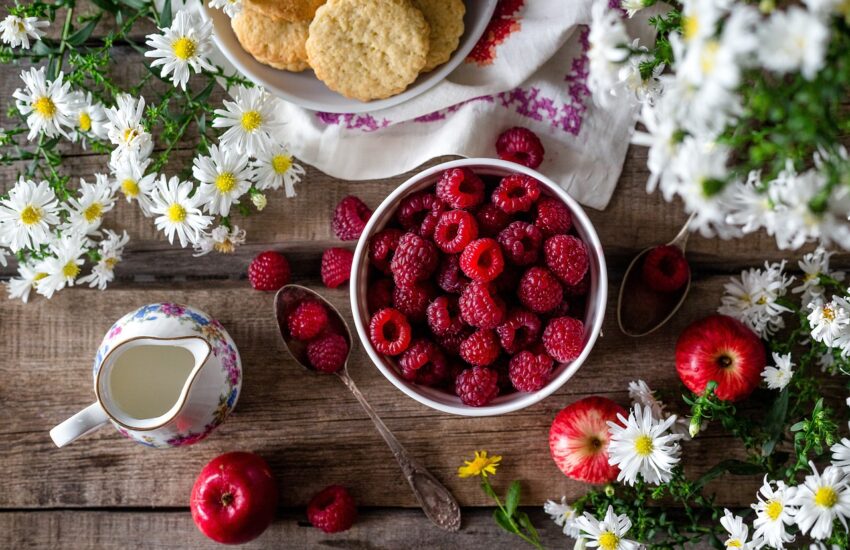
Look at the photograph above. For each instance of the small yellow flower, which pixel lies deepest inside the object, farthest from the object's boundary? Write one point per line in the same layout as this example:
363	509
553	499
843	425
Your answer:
481	465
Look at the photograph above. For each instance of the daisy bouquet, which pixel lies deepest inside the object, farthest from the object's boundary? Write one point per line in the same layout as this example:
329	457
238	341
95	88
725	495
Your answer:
741	108
69	99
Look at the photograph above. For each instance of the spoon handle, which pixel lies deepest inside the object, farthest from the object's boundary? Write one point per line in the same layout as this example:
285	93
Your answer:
436	501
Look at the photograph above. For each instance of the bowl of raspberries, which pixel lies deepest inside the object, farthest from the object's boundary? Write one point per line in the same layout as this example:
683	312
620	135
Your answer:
478	287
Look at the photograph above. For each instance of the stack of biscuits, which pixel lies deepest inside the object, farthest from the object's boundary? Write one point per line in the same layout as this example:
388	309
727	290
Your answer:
362	49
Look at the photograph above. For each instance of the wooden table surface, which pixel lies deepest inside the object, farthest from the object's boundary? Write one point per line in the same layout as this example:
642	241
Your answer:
104	491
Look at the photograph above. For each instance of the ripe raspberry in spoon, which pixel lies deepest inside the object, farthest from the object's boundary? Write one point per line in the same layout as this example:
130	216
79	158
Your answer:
665	269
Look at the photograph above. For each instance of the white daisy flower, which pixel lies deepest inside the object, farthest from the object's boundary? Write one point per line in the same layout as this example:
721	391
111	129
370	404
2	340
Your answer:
823	8
28	213
47	105
606	534
609	41
813	265
631	80
639	445
63	267
796	225
225	175
221	239
111	251
633	6
230	7
826	362
3	254
179	213
259	201
182	46
19	287
738	532
564	516
89	118
749	207
777	377
17	31
753	298
660	137
700	18
642	395
86	212
821	499
275	167
792	40
841	455
250	120
773	513
130	179
125	129
830	321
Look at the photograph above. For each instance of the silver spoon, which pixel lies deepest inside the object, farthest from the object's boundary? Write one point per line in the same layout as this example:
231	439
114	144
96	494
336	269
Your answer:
436	501
644	311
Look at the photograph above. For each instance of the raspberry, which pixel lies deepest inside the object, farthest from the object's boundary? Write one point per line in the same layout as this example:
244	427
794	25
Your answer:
389	331
481	348
415	259
413	300
382	246
460	188
564	338
520	330
332	510
520	145
423	363
350	218
539	290
482	260
479	307
477	386
665	269
328	353
491	219
567	257
451	343
336	266
521	242
449	276
379	295
530	372
443	316
268	271
553	217
579	289
455	230
307	320
419	212
516	193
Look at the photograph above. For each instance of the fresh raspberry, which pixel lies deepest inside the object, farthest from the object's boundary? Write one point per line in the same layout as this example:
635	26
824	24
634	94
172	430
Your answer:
520	330
415	259
530	372
455	230
563	308
336	266
389	331
423	363
481	348
419	212
516	193
491	220
477	386
480	307
539	290
379	295
413	299
521	242
443	316
665	269
520	145
564	338
328	353
482	260
553	217
449	276
307	320
268	271
567	257
382	246
580	289
460	188
350	218
451	343
332	510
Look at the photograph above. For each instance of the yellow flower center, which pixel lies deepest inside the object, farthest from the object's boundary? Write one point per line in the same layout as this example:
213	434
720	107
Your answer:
761	301
773	509
130	188
85	122
734	543
71	270
708	58
225	247
828	313
110	262
130	134
251	120
30	215
93	212
45	107
281	163
609	541
225	182
643	445
38	277
21	27
176	213
826	497
184	48
690	24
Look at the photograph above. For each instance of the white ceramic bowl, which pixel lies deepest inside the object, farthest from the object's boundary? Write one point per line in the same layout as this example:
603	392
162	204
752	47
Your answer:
307	91
439	399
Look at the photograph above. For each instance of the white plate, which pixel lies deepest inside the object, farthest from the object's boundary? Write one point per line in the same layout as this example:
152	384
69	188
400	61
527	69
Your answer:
307	91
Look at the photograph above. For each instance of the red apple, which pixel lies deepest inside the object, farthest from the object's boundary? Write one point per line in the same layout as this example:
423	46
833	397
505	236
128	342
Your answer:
724	350
578	439
234	498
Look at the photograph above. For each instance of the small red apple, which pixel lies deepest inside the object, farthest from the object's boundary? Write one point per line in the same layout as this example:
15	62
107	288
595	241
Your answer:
578	439
234	498
724	350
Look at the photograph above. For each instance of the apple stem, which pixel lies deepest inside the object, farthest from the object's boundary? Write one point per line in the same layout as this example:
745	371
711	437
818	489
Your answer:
226	499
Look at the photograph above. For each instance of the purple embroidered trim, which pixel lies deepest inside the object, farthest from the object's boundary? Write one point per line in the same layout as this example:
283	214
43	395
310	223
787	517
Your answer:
350	121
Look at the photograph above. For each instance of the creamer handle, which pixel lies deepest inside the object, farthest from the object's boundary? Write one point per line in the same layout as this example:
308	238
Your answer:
85	421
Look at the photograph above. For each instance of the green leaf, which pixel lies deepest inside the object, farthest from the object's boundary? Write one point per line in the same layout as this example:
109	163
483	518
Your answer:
731	466
512	497
503	521
105	5
135	4
80	37
488	489
44	47
526	524
774	422
165	15
205	93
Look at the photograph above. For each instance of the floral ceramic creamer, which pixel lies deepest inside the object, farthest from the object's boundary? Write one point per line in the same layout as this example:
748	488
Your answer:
165	375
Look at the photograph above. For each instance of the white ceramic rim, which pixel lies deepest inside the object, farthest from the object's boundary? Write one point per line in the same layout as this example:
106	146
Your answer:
511	402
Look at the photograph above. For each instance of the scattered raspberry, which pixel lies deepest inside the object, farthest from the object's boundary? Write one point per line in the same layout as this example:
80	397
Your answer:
443	316
520	145
415	259
530	372
455	230
479	307
328	353
539	290
491	220
564	338
307	320
665	269
482	260
413	300
419	212
481	348
389	331
268	271
460	188
580	289
521	242
379	295
516	193
350	218
336	266
332	510
382	246
567	257
423	363
477	386
520	330
553	216
449	276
